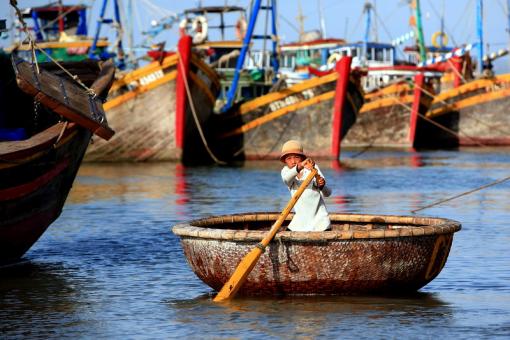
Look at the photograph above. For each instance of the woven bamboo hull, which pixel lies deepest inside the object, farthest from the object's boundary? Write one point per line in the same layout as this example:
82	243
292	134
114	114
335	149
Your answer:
142	110
385	120
476	111
40	178
264	124
363	254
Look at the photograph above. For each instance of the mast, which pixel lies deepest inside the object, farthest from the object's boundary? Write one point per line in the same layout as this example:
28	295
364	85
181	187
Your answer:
367	9
232	91
322	21
117	23
301	20
479	32
419	29
129	26
508	17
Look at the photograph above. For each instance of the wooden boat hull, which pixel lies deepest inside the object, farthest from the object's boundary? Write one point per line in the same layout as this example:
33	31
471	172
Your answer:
40	177
38	167
477	111
304	111
387	120
362	254
143	108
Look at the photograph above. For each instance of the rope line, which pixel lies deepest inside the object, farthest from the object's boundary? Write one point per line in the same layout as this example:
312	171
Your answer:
442	127
462	194
430	94
195	117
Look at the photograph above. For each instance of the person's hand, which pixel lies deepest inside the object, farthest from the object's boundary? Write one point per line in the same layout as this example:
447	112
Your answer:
308	163
321	182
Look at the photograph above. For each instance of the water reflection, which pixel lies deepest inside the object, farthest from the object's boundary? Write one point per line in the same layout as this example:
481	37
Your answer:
308	316
37	296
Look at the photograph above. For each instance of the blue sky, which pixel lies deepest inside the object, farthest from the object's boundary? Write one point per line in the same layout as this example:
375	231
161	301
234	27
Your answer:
342	18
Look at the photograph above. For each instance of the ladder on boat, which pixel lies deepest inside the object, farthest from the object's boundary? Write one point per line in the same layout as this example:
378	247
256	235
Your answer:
116	23
270	8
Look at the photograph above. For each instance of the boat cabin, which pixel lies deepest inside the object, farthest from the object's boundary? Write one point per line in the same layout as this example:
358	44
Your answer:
61	31
372	54
296	57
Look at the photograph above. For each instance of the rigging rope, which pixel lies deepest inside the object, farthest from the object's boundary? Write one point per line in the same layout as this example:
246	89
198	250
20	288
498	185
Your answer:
430	94
195	117
439	125
462	194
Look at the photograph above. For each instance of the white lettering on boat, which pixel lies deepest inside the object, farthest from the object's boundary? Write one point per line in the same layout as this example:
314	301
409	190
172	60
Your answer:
292	99
152	77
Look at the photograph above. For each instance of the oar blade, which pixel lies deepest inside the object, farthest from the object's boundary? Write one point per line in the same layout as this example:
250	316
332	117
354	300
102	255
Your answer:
237	279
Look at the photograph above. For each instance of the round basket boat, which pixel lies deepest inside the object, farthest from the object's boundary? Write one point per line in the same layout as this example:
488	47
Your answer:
362	254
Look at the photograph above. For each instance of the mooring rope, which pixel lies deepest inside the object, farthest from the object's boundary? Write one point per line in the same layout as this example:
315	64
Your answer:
462	194
195	117
439	125
430	94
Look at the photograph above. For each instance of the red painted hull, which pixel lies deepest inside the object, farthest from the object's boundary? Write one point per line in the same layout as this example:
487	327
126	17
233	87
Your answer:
40	178
38	167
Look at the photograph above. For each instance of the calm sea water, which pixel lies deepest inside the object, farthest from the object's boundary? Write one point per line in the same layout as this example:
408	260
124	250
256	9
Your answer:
110	266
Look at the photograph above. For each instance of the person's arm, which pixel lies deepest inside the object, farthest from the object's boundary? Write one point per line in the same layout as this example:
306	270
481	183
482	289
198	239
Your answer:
326	191
289	175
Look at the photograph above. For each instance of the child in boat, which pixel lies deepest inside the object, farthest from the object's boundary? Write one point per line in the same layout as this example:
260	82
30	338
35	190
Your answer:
310	209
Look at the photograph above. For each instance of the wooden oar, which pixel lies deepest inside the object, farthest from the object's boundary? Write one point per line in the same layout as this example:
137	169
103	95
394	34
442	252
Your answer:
244	268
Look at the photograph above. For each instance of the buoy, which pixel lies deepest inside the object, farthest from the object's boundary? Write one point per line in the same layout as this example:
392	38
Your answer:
199	27
442	36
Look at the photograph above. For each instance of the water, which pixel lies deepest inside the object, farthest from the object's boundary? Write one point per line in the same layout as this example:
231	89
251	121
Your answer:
110	267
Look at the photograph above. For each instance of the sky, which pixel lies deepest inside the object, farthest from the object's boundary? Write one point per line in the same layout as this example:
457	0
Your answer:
341	19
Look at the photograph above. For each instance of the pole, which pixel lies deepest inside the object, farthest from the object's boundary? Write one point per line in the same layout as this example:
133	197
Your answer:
479	31
98	29
419	28
367	9
242	56
274	56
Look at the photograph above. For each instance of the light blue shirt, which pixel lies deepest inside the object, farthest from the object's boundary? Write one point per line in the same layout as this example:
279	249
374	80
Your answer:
310	209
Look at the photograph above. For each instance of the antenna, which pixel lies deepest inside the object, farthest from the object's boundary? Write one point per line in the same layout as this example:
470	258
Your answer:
301	21
322	21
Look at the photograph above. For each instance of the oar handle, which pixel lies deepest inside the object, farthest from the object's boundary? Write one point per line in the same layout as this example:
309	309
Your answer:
274	229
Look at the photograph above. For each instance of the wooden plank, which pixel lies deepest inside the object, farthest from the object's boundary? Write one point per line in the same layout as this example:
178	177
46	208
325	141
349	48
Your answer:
278	113
74	103
116	101
271	97
136	75
471	101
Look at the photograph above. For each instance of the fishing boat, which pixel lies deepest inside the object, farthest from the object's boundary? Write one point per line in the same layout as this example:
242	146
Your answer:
475	108
398	92
398	95
46	123
160	110
61	30
260	110
361	254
